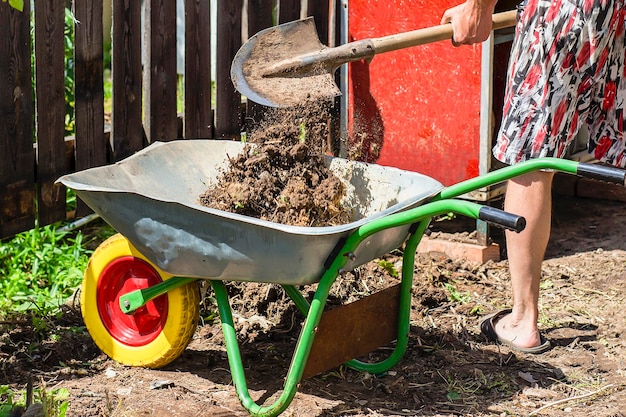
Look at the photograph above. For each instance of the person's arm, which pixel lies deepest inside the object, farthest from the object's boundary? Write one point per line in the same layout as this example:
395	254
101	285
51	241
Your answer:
471	21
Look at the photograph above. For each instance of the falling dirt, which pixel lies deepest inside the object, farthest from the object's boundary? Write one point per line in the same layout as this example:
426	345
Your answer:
281	175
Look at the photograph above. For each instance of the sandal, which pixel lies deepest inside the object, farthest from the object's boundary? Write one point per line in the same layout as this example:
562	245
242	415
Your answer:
488	328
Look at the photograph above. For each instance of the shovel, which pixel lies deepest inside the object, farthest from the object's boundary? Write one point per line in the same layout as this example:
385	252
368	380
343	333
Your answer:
286	65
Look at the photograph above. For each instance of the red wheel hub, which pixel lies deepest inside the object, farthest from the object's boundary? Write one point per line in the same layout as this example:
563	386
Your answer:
120	277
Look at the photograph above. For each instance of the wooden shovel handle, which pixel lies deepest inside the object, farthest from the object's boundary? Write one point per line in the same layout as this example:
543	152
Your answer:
434	34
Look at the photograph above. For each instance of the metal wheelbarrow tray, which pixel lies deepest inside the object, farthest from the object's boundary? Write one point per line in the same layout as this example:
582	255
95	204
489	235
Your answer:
140	299
152	199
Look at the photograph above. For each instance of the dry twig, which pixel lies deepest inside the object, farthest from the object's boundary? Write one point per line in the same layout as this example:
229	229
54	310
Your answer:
564	400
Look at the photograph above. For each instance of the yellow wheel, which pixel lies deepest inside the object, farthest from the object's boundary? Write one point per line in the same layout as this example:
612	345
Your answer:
155	334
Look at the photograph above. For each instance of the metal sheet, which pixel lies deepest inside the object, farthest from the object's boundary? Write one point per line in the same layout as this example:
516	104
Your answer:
418	101
355	329
152	199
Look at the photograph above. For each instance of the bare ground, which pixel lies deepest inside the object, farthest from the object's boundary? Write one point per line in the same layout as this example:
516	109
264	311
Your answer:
449	368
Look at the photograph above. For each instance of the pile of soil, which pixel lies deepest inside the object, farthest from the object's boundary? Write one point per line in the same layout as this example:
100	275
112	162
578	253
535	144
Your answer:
281	175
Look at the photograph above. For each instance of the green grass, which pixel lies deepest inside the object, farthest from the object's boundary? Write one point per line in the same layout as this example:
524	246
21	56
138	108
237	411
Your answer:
41	268
54	401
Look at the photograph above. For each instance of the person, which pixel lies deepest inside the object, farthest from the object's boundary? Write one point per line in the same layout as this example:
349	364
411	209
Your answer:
566	68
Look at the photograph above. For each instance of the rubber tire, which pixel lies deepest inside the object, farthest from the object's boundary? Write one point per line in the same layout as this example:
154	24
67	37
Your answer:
180	324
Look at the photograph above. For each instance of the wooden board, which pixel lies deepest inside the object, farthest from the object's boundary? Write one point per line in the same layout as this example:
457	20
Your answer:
50	66
127	131
17	173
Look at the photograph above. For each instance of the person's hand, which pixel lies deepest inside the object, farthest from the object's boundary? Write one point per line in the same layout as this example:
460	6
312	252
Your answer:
471	22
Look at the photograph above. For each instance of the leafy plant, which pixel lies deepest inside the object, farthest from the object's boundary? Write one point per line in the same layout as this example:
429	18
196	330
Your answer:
53	401
16	4
389	267
8	397
40	269
302	132
455	295
445	217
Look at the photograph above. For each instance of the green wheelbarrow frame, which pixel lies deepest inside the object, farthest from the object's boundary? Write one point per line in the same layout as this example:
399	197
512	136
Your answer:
445	201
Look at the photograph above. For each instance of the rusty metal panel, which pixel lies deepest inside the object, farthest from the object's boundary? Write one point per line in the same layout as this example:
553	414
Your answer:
355	329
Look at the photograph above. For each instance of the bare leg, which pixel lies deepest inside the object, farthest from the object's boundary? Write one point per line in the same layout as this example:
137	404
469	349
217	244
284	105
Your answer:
530	196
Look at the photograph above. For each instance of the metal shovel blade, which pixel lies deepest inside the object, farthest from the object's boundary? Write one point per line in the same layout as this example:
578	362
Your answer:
255	78
287	65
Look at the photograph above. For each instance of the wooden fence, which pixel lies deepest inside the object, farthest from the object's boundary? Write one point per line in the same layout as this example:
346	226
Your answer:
34	151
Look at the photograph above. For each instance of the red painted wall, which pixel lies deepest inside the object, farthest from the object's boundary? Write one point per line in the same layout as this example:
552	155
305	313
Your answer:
417	108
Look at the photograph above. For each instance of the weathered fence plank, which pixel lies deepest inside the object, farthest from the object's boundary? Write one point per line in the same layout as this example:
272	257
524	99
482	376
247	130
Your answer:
160	76
25	165
90	148
17	176
50	101
319	10
289	10
260	16
228	106
198	122
127	134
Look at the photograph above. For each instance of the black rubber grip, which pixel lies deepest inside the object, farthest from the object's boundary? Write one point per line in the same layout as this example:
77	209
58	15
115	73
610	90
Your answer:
602	173
502	218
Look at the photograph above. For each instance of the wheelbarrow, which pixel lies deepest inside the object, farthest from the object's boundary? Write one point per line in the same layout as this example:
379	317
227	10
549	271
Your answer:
140	292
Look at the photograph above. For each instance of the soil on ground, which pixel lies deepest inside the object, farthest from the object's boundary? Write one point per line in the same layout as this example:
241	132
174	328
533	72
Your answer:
449	368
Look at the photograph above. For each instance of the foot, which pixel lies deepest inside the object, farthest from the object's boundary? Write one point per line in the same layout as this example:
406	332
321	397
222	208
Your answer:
523	334
500	327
